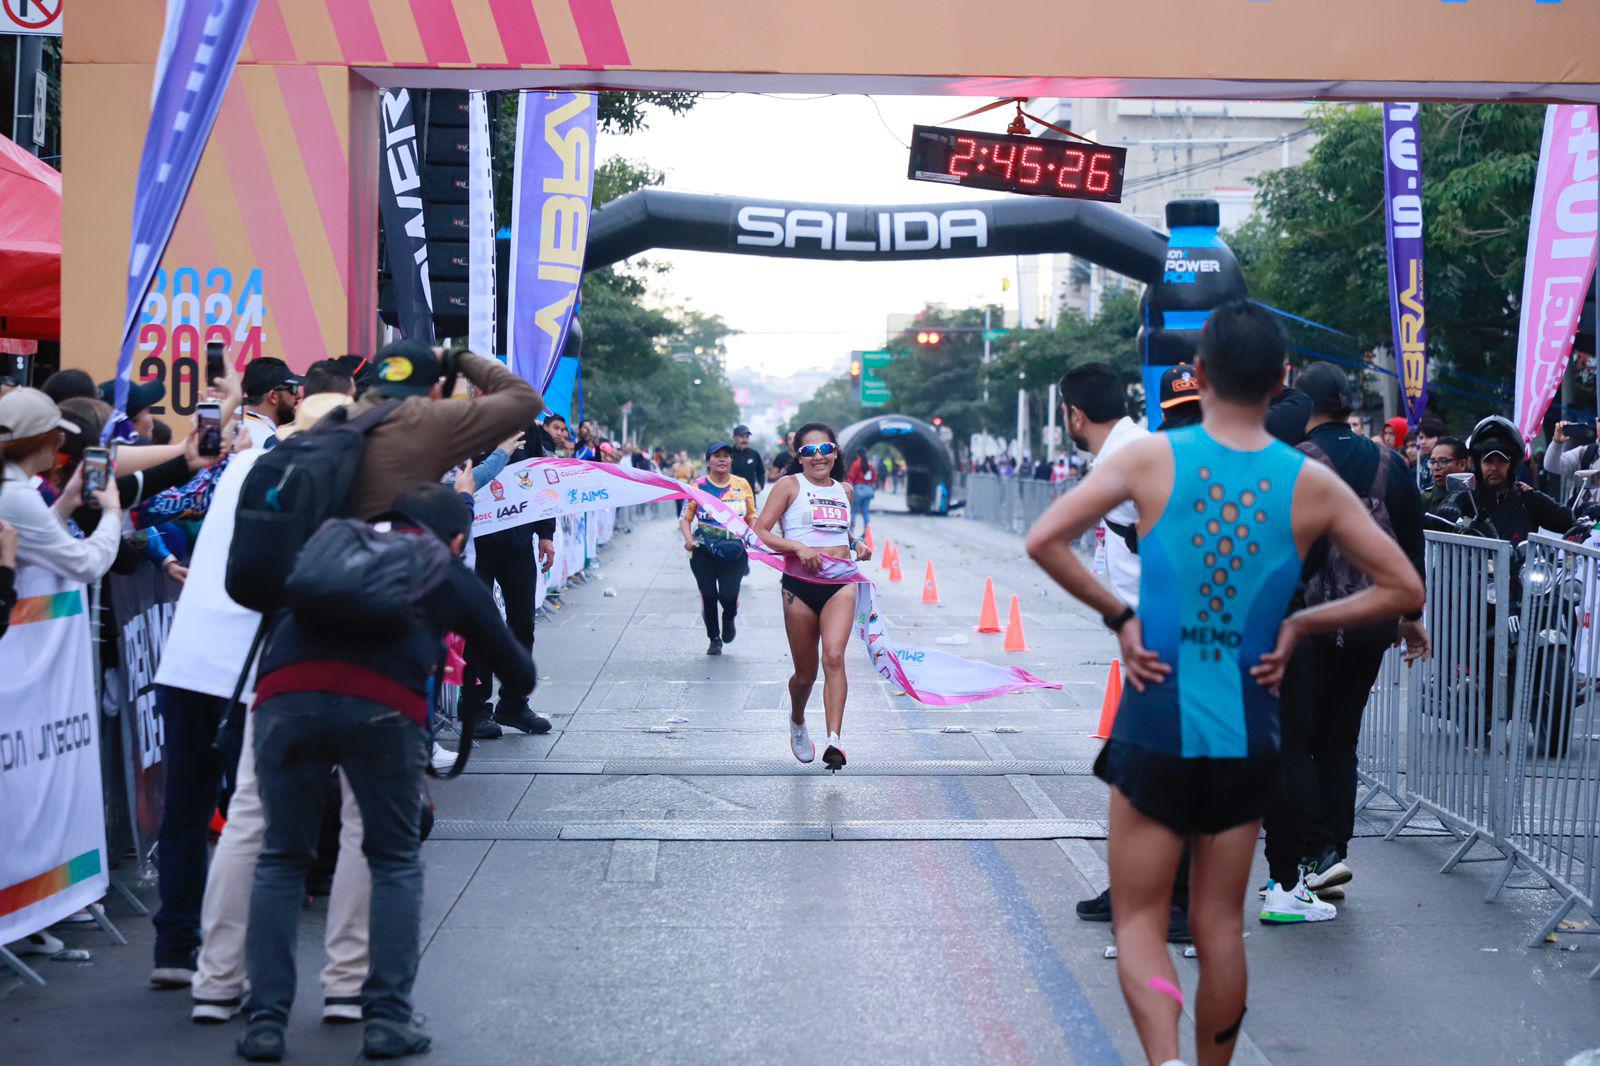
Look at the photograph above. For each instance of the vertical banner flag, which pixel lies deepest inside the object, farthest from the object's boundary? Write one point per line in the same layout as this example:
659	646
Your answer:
480	208
1402	194
142	605
52	811
405	233
1561	257
199	48
551	192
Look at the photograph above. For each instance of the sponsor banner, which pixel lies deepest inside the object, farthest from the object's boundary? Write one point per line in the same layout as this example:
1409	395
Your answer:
480	207
1561	257
198	52
52	814
405	232
551	192
142	605
545	487
1402	194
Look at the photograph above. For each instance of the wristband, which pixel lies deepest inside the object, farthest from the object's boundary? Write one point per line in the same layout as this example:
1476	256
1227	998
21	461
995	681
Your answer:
1115	622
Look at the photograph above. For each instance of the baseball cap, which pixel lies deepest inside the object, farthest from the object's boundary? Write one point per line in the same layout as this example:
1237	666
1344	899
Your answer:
433	507
407	368
28	413
267	373
741	430
718	446
1179	386
1328	389
141	394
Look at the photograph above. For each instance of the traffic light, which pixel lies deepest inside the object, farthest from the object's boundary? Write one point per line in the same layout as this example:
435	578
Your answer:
938	421
928	337
855	377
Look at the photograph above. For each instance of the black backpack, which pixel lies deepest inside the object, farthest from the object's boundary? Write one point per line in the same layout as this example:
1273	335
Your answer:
1339	576
353	582
294	488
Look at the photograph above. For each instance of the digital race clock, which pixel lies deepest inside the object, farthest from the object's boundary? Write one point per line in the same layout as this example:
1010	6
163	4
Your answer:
1078	170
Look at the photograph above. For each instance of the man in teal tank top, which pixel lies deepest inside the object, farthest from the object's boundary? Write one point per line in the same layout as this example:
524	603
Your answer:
1227	513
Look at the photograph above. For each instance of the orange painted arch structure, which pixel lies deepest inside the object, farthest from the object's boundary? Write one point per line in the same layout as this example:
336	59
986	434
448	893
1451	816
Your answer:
276	249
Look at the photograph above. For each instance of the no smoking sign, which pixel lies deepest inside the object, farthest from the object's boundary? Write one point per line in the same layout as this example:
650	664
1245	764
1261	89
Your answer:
31	16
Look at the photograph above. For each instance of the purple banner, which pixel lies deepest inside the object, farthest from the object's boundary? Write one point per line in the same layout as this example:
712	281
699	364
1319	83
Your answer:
550	202
1402	194
198	50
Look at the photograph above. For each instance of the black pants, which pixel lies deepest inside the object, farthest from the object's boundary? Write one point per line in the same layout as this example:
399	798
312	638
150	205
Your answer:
1324	694
719	586
514	565
195	775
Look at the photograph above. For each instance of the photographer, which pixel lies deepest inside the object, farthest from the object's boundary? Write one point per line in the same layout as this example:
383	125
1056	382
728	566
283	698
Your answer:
1505	509
359	701
1572	449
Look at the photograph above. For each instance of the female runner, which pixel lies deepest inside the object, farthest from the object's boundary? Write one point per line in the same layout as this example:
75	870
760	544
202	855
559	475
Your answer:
813	508
716	557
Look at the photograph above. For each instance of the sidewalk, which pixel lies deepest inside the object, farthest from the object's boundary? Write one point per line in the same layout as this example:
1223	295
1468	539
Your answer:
609	893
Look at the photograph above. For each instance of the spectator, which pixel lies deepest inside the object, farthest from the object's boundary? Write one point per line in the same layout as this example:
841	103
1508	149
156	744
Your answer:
746	463
557	439
864	476
1572	448
1410	454
137	425
427	437
586	446
361	705
1448	456
8	570
1429	429
783	459
65	384
1357	424
1041	469
8	383
1506	509
271	392
31	433
1394	433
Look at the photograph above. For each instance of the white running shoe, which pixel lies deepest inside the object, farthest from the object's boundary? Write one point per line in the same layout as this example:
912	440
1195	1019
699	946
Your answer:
443	758
1286	907
800	742
40	943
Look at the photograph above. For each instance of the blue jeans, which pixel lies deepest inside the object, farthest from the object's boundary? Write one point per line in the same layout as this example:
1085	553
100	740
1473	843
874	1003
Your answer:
299	738
863	507
195	773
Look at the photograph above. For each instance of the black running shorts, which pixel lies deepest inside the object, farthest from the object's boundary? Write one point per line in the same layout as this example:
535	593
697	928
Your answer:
1192	797
810	593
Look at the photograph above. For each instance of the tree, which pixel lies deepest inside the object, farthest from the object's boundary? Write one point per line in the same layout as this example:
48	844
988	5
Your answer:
1316	244
837	403
1042	356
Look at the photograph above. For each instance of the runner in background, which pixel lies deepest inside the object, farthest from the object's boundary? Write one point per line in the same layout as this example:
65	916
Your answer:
716	557
863	479
1193	753
683	470
747	463
813	510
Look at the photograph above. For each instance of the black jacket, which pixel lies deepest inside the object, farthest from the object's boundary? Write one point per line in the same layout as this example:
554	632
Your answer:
748	465
1516	512
516	538
1286	418
1355	460
460	605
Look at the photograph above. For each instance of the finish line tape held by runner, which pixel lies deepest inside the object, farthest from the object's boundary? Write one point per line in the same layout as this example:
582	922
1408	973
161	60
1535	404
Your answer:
549	487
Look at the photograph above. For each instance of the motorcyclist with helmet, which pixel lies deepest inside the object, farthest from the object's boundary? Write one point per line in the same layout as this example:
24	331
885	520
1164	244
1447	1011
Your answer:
1502	507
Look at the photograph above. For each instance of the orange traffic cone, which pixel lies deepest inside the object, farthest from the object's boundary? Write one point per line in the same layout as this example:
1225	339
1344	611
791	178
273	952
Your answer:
988	614
894	569
1108	706
1015	641
930	587
888	555
867	539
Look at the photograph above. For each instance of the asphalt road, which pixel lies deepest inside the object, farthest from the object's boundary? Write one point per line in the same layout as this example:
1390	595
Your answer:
657	880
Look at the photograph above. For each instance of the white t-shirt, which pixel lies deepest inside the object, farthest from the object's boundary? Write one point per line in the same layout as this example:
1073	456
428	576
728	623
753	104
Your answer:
1122	565
210	633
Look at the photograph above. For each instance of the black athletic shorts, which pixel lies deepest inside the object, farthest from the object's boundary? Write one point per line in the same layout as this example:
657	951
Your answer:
810	593
1192	797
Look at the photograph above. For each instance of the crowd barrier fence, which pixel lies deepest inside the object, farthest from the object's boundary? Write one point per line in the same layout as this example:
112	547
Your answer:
1010	504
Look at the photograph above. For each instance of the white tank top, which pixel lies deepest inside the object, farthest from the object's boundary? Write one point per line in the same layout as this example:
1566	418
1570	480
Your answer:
818	517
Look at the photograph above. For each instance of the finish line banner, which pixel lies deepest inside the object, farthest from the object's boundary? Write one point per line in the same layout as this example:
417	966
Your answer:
1561	257
52	814
1402	193
548	487
550	200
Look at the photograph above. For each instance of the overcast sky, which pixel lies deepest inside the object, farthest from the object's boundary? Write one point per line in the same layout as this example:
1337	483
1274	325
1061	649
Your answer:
836	149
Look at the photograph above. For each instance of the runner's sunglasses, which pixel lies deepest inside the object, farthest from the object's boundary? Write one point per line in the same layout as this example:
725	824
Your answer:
811	451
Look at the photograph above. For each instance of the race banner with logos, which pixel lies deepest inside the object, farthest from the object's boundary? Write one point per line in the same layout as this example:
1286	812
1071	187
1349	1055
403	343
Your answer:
480	247
551	193
52	816
546	488
405	231
142	605
1402	194
198	51
1561	257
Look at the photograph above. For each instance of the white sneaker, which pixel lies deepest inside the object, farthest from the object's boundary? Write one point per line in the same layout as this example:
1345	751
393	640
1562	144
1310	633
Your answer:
443	758
1285	907
37	944
800	742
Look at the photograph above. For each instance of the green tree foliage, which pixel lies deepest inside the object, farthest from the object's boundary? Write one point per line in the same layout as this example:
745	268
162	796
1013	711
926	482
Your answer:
1316	246
1042	356
837	403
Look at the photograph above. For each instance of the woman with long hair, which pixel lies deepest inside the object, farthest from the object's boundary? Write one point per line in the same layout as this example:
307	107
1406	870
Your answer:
811	509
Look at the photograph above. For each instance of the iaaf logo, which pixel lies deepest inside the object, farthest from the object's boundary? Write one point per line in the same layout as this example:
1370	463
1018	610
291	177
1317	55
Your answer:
898	231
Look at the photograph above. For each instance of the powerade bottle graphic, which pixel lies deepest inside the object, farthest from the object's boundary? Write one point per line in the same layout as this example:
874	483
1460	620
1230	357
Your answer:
1200	273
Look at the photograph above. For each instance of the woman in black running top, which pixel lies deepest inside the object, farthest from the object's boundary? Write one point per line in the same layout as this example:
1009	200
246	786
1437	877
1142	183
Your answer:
812	512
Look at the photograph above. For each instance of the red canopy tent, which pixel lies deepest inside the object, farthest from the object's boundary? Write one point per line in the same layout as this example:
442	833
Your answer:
30	245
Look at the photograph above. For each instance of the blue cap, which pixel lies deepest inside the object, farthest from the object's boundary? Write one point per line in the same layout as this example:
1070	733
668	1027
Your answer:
717	446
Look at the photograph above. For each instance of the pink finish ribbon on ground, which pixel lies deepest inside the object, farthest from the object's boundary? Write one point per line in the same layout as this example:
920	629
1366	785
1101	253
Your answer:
546	488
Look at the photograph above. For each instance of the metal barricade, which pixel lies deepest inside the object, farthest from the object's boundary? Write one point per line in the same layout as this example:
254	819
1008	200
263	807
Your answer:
1010	504
1456	735
1553	807
1379	759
